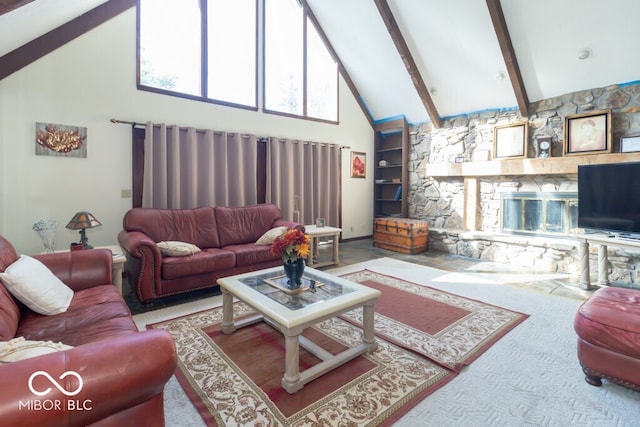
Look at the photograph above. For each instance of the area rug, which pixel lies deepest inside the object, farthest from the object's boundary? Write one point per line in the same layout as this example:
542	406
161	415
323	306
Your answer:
446	328
235	379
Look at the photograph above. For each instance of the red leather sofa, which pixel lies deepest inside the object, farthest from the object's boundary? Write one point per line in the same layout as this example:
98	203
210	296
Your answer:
123	371
226	236
608	328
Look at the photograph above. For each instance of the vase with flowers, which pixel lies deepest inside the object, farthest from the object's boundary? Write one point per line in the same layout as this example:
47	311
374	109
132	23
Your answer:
293	246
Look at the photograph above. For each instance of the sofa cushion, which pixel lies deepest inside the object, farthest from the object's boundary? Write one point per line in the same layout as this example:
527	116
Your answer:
9	309
177	248
95	313
249	254
33	284
197	226
268	237
207	261
244	224
9	315
18	349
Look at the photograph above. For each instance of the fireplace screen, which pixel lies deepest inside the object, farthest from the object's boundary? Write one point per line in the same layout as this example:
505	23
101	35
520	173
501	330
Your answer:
539	213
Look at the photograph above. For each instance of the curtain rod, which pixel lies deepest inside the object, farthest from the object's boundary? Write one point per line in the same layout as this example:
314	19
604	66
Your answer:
134	124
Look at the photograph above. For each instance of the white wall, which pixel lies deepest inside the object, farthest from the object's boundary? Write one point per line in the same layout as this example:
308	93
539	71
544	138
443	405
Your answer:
91	80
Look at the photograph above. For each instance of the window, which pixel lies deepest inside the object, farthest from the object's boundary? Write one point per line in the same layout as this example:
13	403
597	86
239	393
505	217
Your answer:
174	59
208	50
300	76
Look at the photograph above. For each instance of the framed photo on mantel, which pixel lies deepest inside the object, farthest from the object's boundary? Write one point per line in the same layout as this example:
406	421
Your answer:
588	133
510	141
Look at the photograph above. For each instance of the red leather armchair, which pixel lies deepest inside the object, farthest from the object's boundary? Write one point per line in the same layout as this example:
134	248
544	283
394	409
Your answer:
608	328
123	371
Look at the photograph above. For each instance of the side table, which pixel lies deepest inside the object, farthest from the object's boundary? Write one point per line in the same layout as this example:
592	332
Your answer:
315	233
119	259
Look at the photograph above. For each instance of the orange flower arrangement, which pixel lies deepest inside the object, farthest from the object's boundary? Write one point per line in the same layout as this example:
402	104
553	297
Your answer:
291	245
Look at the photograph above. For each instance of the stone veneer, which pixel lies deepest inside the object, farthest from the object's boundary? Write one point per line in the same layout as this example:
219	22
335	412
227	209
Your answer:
440	200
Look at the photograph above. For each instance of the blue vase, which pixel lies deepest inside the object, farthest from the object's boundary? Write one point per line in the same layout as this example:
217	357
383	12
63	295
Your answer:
293	271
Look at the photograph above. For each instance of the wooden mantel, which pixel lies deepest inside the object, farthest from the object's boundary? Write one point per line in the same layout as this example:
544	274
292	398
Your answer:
549	166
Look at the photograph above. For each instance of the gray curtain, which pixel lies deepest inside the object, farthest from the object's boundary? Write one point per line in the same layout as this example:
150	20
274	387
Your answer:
189	168
307	172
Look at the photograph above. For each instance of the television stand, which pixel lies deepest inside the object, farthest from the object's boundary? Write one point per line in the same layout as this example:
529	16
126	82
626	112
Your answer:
629	241
628	236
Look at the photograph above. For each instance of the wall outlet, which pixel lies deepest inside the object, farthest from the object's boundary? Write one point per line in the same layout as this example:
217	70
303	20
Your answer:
351	228
125	194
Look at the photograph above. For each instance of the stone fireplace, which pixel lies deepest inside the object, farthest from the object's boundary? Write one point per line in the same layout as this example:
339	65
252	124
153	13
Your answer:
521	211
551	214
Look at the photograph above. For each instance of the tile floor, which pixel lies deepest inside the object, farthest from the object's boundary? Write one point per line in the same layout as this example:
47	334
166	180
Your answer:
363	250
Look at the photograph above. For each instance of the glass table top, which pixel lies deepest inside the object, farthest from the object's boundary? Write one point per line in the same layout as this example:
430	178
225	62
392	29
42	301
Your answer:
320	289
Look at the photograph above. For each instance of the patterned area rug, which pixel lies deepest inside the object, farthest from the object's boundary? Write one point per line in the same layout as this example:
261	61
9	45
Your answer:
425	336
235	379
446	328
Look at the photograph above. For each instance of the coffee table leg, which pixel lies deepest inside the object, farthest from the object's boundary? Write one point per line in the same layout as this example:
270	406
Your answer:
291	379
227	312
368	335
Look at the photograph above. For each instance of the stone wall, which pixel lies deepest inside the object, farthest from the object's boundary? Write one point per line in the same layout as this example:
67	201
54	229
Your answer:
440	200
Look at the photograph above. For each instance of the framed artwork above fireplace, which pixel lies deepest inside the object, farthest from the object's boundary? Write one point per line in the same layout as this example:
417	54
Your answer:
510	141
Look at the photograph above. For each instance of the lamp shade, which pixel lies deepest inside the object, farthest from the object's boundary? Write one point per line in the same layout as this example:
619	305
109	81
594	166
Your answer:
82	220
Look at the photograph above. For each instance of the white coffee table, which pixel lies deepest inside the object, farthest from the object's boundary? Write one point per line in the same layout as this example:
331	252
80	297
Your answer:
315	233
291	314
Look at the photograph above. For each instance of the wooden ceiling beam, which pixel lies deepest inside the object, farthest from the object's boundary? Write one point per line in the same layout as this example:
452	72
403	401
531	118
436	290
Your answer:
39	47
9	5
509	55
343	71
407	59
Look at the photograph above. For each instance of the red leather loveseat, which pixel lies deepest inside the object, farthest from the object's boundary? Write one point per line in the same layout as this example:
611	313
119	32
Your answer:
122	371
226	237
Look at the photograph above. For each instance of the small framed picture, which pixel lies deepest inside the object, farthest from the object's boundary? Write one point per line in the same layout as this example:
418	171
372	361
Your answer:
319	222
481	155
629	144
510	141
588	133
358	164
542	147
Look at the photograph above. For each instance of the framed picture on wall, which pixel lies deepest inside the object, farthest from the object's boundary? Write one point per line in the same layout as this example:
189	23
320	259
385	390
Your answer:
629	144
510	141
588	133
358	164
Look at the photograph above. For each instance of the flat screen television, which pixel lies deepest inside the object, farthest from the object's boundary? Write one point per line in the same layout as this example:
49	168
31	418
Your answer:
609	198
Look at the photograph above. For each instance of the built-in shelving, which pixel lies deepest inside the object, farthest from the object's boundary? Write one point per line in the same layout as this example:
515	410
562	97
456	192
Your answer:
391	146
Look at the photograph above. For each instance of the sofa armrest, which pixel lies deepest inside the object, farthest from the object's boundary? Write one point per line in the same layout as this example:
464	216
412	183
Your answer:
288	224
117	374
144	262
81	269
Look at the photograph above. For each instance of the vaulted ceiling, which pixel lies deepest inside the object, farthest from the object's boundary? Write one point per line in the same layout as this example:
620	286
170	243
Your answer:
431	59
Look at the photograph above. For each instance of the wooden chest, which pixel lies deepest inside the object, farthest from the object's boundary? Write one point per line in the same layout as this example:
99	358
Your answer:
409	236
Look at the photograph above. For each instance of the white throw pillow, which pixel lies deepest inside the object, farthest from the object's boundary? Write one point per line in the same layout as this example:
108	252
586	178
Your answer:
268	237
33	284
173	248
19	349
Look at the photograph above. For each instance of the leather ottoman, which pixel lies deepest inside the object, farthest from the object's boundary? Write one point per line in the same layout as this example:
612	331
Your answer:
608	328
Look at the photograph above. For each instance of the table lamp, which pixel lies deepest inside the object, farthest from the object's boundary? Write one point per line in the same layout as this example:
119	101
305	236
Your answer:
81	221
